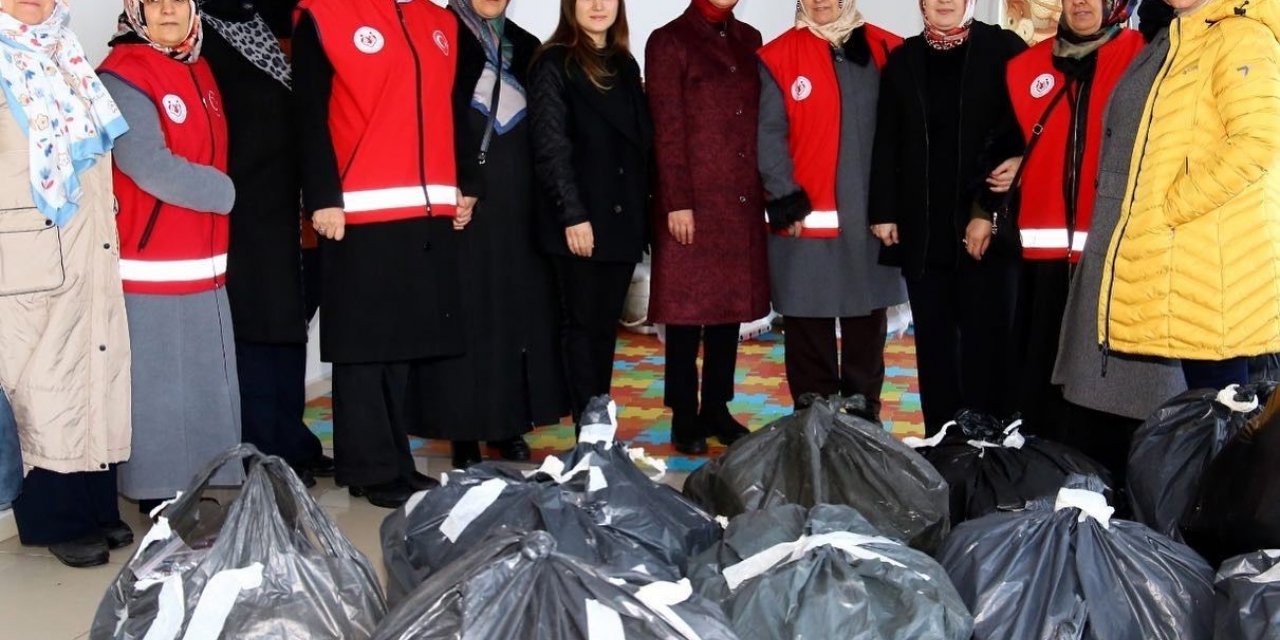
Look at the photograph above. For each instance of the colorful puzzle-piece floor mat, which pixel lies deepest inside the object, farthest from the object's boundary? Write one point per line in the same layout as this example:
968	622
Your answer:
762	397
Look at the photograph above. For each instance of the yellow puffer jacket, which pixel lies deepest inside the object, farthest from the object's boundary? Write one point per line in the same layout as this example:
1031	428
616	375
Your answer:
1193	271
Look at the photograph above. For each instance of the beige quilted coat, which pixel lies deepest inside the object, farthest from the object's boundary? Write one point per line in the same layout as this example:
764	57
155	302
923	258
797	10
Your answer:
1193	270
64	342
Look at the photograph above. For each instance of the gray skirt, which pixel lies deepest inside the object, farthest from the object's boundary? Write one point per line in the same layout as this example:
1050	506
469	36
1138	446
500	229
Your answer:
186	396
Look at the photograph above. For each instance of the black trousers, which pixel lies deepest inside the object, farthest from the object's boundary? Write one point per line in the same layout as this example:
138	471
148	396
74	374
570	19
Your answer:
1042	302
963	323
272	400
815	364
1215	374
719	360
373	408
61	507
592	295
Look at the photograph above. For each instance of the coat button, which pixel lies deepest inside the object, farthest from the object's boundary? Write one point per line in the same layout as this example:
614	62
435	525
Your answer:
733	69
1108	132
106	246
724	34
48	222
102	347
742	199
617	208
742	154
738	112
103	466
426	247
621	171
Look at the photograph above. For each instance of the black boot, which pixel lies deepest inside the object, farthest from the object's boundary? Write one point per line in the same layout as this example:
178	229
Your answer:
388	495
513	449
717	422
322	467
88	551
466	454
118	535
686	434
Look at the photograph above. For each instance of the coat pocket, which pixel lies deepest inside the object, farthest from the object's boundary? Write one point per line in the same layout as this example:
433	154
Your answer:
30	253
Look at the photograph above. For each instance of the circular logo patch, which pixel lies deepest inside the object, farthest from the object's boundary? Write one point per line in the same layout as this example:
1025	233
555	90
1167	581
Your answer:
175	108
801	89
1042	85
441	41
369	40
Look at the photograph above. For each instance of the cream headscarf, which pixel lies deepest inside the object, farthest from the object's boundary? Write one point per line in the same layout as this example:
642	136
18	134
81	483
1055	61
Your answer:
837	32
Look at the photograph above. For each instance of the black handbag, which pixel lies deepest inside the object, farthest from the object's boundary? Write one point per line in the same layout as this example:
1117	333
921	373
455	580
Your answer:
1005	237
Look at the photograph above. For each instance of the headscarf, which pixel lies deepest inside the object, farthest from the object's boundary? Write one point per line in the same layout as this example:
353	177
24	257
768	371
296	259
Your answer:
55	96
133	24
498	51
837	32
944	39
1115	13
243	27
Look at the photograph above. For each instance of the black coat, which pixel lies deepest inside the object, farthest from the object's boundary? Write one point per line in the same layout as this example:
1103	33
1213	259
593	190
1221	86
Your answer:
989	135
264	263
591	160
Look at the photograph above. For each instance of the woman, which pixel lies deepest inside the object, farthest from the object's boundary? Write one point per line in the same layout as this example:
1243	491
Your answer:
174	196
585	93
264	270
512	377
946	137
709	266
1059	88
373	84
1193	270
1105	410
817	123
64	344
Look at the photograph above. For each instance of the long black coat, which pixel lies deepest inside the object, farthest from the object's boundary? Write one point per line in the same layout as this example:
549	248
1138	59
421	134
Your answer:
264	260
592	162
989	135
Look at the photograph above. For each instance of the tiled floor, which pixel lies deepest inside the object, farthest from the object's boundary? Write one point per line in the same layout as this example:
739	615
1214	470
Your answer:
40	599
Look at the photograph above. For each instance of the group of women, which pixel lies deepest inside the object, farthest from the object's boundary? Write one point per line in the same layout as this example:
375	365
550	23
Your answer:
1082	228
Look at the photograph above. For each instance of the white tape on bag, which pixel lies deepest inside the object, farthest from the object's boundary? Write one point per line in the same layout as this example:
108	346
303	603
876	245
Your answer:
601	433
661	596
1090	503
172	608
921	443
1227	398
217	599
603	623
553	468
159	532
473	503
641	459
1267	577
416	499
852	544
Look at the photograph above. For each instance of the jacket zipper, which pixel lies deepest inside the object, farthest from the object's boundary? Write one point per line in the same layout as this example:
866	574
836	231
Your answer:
1115	253
417	92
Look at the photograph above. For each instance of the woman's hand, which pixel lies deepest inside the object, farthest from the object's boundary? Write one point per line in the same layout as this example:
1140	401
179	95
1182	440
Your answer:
330	223
582	241
1001	179
466	207
887	233
977	238
680	224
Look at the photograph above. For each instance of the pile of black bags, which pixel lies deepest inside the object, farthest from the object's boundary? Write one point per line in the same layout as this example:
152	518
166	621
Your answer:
825	572
1249	597
270	565
991	466
1062	568
829	453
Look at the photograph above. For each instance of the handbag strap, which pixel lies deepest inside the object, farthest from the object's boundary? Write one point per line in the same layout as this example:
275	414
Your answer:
493	116
1036	131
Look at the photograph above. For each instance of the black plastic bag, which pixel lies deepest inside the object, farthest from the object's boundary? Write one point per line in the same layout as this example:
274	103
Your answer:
1237	507
993	467
825	572
517	585
272	565
825	455
1172	450
1063	570
1249	597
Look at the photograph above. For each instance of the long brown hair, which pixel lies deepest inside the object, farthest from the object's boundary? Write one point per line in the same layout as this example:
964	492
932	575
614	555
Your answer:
582	51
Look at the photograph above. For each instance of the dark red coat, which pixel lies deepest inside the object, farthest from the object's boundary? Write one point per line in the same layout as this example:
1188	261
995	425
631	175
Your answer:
703	85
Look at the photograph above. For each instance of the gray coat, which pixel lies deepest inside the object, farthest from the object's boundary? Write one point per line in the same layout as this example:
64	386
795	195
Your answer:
1133	386
840	277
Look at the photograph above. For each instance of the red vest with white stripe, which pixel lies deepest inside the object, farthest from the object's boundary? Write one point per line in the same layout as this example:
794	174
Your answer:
391	111
1033	82
166	249
800	62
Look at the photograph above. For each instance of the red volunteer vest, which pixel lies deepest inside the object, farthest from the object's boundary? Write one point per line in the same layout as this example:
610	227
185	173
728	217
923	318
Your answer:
166	249
801	64
391	112
1033	82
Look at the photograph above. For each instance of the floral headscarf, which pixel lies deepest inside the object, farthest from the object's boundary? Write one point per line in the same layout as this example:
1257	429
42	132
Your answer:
133	22
944	39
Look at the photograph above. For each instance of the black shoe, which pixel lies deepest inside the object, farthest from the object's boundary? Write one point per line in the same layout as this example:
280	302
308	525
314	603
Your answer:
721	425
89	551
388	495
686	434
145	507
118	535
322	467
513	449
307	476
466	454
422	482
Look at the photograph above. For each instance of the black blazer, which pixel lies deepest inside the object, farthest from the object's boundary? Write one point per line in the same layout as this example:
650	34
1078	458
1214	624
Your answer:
989	136
471	61
591	160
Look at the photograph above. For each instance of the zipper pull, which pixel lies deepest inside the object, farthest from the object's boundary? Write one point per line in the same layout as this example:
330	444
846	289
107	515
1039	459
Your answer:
1106	356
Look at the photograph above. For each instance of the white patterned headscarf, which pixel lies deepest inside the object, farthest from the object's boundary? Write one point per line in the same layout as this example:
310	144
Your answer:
70	119
837	32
